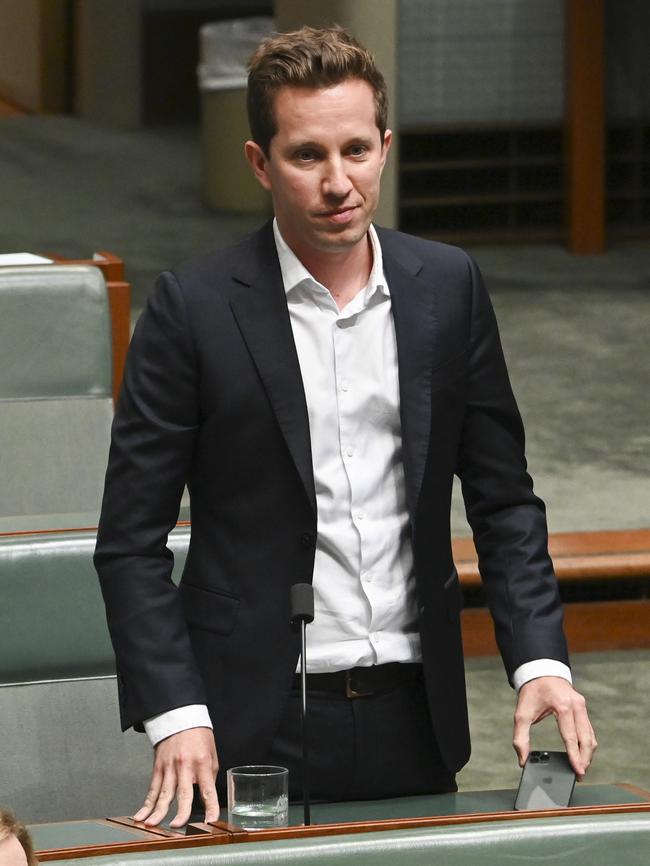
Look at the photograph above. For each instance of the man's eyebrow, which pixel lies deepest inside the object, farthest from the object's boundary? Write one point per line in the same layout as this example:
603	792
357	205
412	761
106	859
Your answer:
362	140
293	146
303	145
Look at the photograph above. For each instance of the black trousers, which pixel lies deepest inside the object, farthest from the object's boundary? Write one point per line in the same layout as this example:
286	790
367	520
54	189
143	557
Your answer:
361	748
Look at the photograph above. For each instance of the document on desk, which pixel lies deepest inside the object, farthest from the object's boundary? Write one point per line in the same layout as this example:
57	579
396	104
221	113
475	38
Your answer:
9	259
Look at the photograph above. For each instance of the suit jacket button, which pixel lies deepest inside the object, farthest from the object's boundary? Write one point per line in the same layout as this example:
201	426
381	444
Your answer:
421	610
306	540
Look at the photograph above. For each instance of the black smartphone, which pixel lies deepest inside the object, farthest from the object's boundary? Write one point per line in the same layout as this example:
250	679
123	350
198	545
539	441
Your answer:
547	782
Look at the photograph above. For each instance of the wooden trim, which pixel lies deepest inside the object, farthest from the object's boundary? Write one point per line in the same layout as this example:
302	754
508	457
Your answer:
223	833
119	299
585	125
127	821
597	626
590	626
64	529
159	840
576	555
343	829
18	533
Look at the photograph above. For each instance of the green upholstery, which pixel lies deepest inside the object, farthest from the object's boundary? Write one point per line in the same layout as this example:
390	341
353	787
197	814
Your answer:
62	754
55	388
55	337
600	840
54	627
53	454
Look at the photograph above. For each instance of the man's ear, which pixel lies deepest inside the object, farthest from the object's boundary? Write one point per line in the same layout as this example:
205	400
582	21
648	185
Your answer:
388	138
258	160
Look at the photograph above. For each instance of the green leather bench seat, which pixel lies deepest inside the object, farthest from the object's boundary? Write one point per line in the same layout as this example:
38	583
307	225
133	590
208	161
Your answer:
62	754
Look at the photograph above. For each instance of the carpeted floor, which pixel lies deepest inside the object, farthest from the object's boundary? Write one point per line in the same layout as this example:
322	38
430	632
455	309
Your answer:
616	686
575	331
574	328
71	187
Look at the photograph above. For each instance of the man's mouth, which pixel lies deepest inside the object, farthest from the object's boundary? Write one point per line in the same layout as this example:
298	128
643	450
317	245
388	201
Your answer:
339	215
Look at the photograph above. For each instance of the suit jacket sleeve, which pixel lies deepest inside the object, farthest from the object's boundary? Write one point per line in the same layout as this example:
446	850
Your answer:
152	442
507	519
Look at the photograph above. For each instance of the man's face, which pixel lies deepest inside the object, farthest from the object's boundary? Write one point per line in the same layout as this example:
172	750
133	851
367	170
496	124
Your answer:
324	166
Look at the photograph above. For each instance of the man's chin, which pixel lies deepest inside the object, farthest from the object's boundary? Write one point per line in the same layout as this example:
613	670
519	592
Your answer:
339	238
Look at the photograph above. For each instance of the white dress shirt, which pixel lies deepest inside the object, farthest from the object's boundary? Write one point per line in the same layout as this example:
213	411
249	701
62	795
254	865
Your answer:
364	592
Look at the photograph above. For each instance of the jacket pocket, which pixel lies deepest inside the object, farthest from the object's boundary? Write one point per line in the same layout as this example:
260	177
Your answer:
209	609
453	595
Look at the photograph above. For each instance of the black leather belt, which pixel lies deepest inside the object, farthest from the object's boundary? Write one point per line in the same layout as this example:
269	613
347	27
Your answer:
361	682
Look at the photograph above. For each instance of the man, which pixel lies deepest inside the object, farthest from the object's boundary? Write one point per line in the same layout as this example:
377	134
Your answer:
317	386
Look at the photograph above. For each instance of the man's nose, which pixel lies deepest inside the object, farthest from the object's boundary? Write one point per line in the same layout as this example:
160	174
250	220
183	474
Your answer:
336	182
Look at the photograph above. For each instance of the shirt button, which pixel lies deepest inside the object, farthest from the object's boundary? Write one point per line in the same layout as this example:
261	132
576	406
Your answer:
345	385
349	452
360	515
368	577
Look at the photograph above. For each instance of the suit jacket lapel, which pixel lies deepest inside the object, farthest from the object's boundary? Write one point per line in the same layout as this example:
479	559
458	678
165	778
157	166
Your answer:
414	313
260	308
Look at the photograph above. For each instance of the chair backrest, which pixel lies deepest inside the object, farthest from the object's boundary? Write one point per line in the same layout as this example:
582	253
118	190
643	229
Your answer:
62	754
55	388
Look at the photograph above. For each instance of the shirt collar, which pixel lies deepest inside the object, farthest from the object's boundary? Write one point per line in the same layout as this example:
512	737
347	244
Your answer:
295	274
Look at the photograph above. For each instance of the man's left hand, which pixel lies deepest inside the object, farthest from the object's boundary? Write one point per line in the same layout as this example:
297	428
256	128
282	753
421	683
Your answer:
539	698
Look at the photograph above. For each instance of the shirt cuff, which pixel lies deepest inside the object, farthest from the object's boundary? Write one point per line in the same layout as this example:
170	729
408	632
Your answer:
540	668
173	721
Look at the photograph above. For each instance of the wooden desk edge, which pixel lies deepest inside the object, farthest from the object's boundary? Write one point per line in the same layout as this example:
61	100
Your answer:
162	840
223	833
343	829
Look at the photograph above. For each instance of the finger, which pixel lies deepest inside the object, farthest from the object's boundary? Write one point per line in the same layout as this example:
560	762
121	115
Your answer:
568	732
521	735
152	795
165	797
586	736
184	797
208	789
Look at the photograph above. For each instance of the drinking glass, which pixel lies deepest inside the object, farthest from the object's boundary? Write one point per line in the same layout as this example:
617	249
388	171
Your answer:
258	796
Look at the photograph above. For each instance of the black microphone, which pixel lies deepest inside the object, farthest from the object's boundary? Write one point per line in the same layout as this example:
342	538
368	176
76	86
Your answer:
302	612
302	603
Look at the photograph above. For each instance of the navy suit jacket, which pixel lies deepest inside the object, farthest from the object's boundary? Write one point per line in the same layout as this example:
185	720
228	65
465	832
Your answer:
213	397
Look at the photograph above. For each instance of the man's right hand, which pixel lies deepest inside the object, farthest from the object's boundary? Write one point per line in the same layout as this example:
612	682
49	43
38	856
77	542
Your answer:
181	760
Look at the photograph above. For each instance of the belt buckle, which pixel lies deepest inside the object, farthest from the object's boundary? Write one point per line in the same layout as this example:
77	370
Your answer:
349	691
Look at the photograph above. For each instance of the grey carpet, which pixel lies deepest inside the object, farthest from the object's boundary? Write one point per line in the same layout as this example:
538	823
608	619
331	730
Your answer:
69	187
574	328
617	688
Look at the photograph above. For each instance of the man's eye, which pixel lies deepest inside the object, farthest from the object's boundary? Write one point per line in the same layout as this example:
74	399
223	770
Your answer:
358	150
305	155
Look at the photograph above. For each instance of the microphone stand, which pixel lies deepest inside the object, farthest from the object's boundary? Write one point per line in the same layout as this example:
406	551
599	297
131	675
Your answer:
302	611
303	722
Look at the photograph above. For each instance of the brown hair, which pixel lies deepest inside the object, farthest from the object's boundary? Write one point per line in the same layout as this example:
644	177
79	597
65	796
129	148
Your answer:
11	826
307	58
